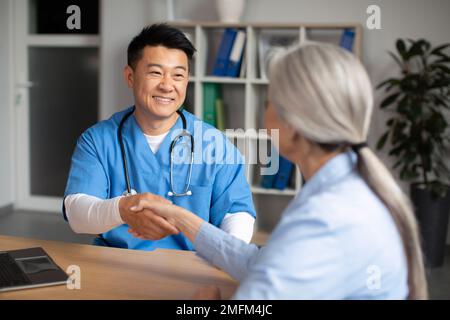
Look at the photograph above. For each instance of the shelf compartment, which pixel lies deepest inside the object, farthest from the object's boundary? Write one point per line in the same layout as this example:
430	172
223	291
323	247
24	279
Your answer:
190	33
258	101
269	41
233	96
210	43
331	35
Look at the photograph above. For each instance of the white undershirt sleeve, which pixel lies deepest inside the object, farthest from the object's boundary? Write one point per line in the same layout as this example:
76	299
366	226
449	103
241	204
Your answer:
92	215
239	224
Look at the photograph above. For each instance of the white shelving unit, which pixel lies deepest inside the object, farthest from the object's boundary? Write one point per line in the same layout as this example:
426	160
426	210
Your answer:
245	98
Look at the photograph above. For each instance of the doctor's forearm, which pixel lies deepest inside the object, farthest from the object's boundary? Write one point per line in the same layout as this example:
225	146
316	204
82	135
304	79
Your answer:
92	215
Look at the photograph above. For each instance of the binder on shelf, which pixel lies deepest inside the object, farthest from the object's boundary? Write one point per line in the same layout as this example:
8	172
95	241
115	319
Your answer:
223	55
268	180
347	39
211	92
243	71
284	174
220	115
236	55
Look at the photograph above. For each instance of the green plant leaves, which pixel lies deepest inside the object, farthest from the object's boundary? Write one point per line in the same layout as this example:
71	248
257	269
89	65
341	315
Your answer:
396	59
382	141
390	81
389	100
419	47
401	48
438	50
418	130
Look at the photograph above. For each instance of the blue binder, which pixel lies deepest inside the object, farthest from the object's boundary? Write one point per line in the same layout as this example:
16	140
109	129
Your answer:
347	39
236	55
284	174
223	55
268	180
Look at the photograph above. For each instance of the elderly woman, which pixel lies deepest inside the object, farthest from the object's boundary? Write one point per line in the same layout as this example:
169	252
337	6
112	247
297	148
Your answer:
350	233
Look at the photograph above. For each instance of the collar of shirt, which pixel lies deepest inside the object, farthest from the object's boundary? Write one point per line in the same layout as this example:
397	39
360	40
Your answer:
157	138
330	173
155	141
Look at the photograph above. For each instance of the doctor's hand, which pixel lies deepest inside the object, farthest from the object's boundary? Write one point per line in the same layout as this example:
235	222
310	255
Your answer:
146	223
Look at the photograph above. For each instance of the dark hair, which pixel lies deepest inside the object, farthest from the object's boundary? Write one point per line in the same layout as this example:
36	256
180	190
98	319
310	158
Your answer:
160	34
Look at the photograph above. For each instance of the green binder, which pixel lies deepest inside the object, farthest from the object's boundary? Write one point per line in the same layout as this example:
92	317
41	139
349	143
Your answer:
220	115
211	92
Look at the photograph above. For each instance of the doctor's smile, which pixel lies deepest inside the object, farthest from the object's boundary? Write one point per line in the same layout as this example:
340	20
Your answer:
163	100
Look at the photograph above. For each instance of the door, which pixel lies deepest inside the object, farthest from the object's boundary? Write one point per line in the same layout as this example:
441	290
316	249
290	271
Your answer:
56	79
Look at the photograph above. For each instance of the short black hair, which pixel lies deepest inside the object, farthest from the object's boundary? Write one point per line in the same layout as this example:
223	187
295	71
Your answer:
160	34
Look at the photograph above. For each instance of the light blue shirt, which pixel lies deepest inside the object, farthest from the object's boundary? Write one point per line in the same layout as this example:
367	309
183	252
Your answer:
335	240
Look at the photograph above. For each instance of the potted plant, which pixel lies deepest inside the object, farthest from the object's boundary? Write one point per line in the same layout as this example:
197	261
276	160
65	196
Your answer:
418	131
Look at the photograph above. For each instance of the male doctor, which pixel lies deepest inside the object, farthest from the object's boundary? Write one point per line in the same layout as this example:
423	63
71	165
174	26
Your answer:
94	200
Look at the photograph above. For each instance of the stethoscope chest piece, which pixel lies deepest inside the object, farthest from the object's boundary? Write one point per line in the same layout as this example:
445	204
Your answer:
131	193
187	193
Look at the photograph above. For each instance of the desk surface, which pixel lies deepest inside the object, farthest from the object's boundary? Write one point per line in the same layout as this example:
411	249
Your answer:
111	273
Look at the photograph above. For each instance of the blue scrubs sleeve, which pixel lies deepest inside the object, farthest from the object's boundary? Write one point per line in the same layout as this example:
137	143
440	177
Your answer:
231	193
87	174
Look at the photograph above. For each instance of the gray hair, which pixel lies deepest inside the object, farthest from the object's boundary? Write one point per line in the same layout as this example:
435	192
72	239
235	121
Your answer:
324	93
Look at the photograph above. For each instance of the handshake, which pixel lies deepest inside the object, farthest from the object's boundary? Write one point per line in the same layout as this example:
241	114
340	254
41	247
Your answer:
149	216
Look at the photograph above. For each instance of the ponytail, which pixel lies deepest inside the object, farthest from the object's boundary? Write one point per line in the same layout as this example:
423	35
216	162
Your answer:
383	184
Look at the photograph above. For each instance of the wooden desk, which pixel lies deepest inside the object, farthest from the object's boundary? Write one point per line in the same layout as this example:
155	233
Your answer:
110	273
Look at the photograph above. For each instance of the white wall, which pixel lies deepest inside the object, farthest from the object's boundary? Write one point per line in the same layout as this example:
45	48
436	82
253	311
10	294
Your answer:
120	22
6	193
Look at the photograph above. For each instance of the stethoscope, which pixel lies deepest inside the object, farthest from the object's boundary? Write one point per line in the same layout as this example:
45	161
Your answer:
184	133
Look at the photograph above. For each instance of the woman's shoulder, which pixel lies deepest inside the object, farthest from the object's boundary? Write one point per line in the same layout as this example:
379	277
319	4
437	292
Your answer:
343	201
351	213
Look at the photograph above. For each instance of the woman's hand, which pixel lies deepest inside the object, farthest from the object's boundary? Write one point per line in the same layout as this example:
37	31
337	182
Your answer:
165	210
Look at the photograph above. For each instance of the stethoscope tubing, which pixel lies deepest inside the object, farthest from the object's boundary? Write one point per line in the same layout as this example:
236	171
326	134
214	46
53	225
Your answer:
172	192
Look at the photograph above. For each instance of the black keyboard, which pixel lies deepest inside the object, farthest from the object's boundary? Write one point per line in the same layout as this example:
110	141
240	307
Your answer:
10	273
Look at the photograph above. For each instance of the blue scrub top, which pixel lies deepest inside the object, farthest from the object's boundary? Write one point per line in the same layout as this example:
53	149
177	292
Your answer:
218	187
